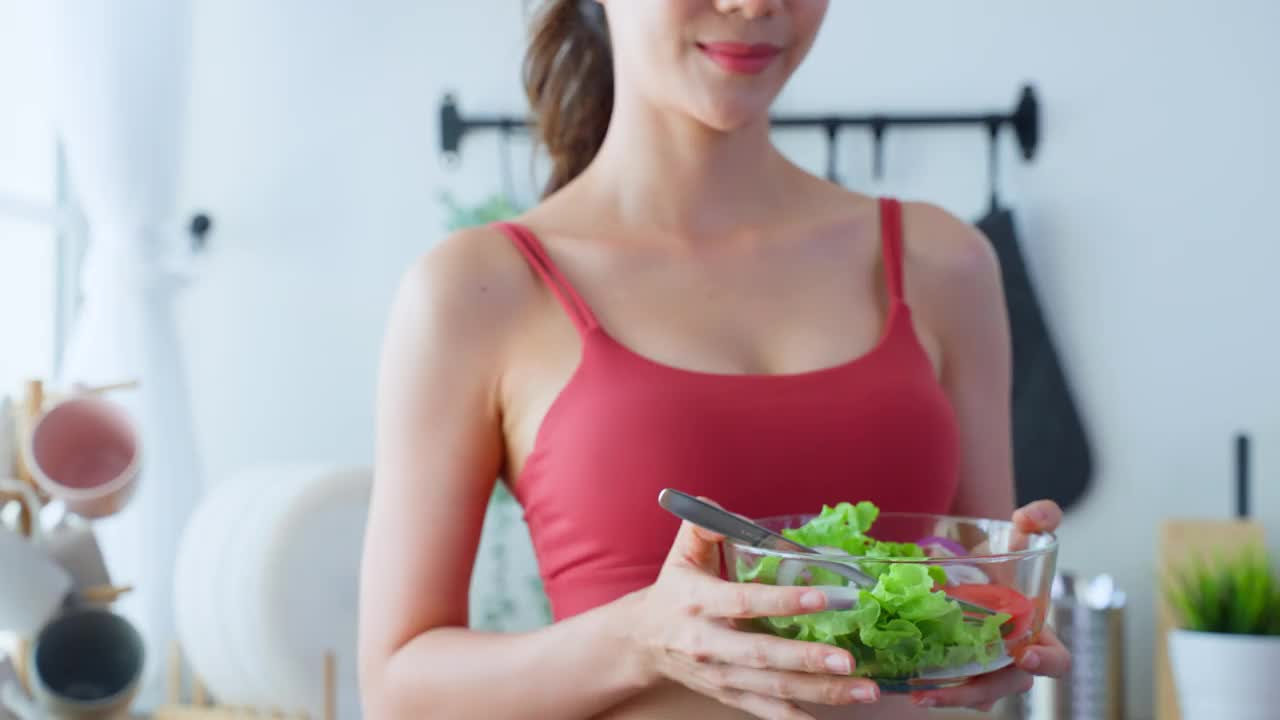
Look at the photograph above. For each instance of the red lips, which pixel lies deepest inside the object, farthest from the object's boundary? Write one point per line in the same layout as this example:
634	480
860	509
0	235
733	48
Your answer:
741	58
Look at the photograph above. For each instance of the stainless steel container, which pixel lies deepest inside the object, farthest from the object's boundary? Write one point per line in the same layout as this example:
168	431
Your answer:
1090	623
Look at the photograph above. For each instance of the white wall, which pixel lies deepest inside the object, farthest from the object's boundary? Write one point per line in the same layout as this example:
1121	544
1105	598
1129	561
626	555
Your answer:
28	181
1146	216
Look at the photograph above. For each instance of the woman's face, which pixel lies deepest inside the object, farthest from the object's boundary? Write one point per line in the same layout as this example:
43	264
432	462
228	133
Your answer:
720	61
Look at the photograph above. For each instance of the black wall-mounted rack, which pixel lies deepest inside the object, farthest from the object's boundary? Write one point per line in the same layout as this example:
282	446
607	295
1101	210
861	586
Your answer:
1024	119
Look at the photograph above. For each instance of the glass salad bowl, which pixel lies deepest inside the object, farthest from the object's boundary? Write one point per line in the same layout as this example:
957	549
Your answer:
953	598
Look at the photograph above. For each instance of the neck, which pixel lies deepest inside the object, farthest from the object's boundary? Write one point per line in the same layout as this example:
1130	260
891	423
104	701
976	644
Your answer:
678	177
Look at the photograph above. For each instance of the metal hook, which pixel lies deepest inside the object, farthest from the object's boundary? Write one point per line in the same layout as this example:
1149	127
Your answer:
878	125
504	160
833	134
993	161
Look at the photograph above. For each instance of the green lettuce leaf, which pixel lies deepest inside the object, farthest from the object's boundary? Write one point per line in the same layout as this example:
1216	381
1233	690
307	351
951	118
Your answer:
901	627
762	568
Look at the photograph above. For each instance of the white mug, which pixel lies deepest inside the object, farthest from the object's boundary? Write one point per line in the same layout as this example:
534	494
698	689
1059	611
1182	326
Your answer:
27	605
70	541
15	703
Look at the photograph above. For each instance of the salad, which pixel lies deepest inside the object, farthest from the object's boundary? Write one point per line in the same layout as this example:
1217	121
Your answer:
910	621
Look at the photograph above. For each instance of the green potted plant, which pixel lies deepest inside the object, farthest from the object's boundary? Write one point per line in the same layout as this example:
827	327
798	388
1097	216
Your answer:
1225	651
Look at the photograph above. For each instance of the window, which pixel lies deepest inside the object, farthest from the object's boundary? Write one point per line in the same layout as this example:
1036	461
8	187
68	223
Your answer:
31	253
28	249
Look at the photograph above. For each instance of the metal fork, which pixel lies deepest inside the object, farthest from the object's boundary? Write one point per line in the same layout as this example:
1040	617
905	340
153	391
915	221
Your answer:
736	527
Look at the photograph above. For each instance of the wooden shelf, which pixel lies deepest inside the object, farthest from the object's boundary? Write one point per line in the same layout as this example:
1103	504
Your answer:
199	707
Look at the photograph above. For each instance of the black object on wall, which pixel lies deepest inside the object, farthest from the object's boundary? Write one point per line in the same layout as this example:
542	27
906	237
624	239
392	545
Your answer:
1242	476
199	228
1024	119
1051	453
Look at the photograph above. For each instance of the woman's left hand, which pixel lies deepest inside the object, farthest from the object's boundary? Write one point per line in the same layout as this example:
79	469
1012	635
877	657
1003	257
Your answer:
1047	657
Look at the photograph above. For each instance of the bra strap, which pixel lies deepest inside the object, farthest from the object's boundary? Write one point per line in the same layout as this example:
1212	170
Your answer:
534	252
891	239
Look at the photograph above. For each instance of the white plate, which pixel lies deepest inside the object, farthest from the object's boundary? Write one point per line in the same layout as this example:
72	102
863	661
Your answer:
195	581
239	594
267	582
305	582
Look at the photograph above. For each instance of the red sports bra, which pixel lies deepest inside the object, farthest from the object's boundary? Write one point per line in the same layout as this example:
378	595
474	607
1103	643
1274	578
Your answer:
876	428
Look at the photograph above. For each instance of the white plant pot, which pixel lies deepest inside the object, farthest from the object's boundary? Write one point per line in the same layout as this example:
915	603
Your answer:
1221	676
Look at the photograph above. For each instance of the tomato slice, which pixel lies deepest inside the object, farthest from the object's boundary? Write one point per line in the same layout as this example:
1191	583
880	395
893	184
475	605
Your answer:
1003	600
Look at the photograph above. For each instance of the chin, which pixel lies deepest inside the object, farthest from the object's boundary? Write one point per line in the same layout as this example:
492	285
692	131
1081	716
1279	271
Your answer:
727	114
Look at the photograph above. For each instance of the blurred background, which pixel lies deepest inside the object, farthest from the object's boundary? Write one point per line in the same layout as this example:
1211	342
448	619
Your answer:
216	198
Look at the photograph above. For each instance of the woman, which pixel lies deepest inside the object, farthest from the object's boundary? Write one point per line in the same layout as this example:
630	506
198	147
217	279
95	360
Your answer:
685	308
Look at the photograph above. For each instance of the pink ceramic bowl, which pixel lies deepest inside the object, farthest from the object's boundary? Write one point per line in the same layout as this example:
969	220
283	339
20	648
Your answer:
85	452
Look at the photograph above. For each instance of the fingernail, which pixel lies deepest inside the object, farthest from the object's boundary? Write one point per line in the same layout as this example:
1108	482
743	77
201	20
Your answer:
865	694
1030	660
841	598
926	702
813	600
839	664
1039	514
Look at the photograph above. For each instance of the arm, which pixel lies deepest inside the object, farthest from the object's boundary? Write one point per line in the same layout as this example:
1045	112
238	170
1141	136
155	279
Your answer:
966	310
439	451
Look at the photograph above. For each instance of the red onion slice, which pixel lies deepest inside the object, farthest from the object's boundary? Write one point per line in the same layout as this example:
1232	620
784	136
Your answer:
965	575
790	570
942	547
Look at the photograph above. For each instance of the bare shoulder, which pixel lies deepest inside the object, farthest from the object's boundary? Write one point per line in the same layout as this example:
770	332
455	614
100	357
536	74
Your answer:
946	248
949	263
469	290
943	252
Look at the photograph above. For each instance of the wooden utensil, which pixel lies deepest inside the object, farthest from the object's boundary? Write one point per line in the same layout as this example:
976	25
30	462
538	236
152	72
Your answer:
32	407
103	594
81	390
25	415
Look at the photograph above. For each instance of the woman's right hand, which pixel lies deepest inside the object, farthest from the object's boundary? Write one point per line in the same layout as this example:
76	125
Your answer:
684	627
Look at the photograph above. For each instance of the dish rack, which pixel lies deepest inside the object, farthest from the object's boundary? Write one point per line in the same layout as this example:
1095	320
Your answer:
201	708
25	413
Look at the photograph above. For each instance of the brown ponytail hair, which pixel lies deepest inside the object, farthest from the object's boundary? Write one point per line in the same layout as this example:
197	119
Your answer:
568	77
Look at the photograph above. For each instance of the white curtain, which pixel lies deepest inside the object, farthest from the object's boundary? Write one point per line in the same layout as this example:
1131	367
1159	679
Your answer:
119	94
